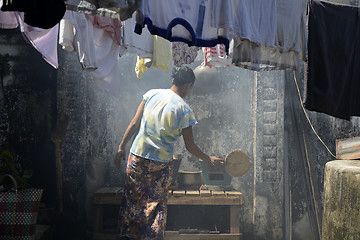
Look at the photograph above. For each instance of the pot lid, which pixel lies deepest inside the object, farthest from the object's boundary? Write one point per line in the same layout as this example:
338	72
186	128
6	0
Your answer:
237	163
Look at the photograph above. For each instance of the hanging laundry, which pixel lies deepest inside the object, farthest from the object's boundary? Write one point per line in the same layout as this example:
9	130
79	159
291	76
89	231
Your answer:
16	5
76	34
161	55
43	40
332	84
140	67
182	53
7	19
108	75
141	45
254	20
96	49
265	40
110	25
122	9
38	13
182	20
216	56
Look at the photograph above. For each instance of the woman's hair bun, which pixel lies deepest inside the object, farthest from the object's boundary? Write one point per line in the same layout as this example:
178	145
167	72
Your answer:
182	75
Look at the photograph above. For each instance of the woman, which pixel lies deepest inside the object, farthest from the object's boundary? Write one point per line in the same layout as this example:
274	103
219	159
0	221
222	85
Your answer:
161	118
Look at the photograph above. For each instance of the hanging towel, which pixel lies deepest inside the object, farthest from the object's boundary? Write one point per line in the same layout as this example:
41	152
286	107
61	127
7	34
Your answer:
43	40
333	73
97	51
76	34
250	19
161	56
141	45
288	46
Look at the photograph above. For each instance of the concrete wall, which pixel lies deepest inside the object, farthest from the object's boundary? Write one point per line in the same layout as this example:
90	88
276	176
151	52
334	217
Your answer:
28	110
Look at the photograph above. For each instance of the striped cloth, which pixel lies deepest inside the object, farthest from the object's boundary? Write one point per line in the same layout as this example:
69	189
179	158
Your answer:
216	56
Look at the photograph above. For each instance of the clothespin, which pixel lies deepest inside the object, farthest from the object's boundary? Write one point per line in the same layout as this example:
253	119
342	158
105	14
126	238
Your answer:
307	7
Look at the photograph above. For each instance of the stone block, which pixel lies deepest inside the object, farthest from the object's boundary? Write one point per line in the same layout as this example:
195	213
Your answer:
270	129
341	215
269	105
270	117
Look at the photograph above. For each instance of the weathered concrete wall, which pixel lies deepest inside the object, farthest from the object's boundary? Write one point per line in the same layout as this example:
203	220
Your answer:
268	190
341	218
28	111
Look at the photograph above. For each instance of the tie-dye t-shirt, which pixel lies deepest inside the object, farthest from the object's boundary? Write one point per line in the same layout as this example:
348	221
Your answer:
165	115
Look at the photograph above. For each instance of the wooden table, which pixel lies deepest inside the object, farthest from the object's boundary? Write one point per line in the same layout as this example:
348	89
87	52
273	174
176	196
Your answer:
233	199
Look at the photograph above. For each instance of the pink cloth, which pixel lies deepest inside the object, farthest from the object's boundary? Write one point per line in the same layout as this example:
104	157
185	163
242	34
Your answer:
7	19
110	25
43	40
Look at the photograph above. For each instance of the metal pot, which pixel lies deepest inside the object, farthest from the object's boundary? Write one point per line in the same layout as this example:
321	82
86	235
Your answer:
189	179
175	170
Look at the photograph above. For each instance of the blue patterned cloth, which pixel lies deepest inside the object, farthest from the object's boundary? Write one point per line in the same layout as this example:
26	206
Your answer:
165	115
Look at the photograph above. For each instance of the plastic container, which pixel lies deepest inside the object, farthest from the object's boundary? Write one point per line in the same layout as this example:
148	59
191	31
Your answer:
214	175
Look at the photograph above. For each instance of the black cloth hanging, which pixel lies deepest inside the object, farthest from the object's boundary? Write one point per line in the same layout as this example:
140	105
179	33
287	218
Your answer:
332	82
15	5
37	13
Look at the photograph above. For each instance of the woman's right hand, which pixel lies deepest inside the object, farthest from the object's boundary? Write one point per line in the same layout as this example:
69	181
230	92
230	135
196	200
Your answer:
120	155
215	161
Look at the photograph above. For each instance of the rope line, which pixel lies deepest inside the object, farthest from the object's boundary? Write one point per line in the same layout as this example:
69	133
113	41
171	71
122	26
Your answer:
307	117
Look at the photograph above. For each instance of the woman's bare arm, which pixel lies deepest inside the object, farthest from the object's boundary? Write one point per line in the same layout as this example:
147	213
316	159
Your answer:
196	151
131	129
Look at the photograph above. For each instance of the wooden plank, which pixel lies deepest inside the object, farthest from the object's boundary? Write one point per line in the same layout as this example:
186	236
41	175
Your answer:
205	193
218	193
348	148
205	200
101	190
109	190
107	199
174	235
98	219
104	236
108	195
179	193
234	219
233	193
193	193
